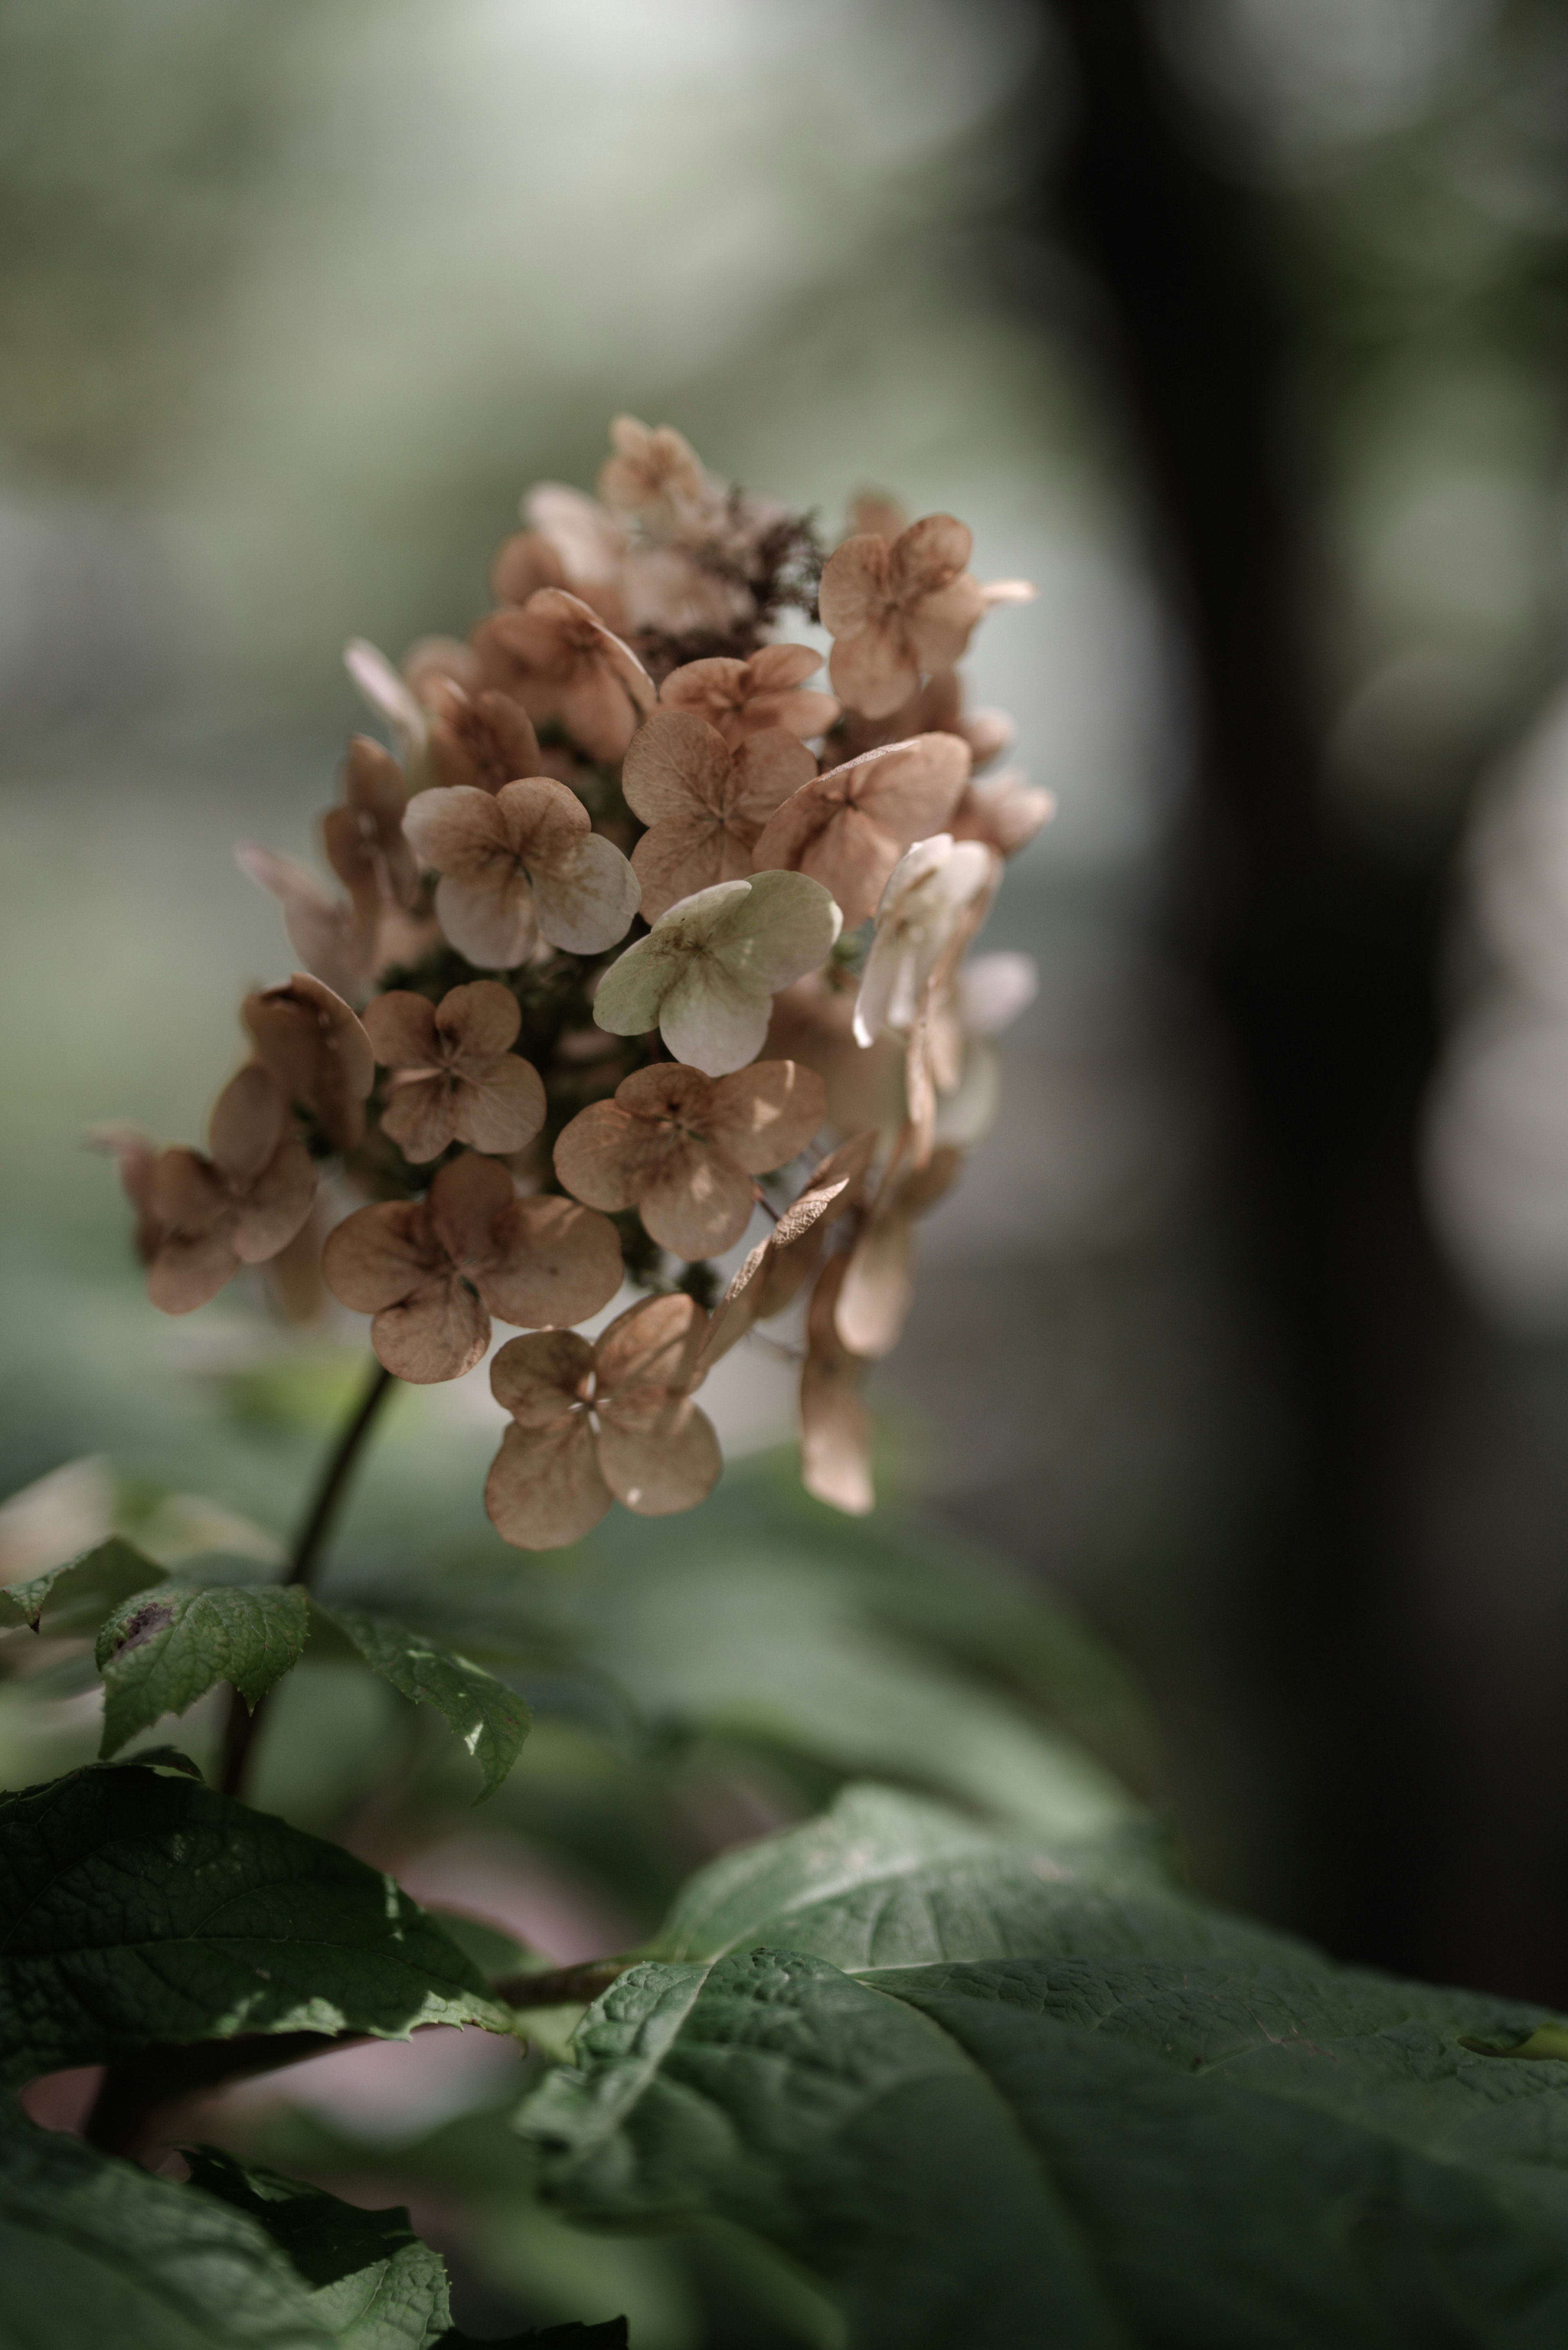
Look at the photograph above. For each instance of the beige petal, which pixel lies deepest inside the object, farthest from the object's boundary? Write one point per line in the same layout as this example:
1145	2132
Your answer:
586	902
378	1255
438	1333
483	1017
598	712
876	671
401	1027
544	1491
911	788
677	761
879	1285
421	1115
246	1123
769	766
855	584
483	740
657	1453
499	1101
666	1089
539	1377
355	856
777	668
276	1205
677	858
549	1260
524	564
698	1202
374	784
1004	814
465	1198
489	914
940	625
189	1269
852	856
606	1157
459	831
765	1115
835	1425
655	1344
927	554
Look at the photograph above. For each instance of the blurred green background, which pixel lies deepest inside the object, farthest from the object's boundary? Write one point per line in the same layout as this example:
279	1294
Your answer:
1238	325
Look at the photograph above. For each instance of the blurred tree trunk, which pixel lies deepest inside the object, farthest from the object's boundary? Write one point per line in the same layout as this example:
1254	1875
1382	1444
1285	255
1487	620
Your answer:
1315	951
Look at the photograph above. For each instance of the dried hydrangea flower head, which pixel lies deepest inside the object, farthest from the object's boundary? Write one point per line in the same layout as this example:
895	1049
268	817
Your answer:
600	1421
455	1077
433	1270
684	1148
849	828
518	866
704	805
556	657
741	697
315	1047
239	1205
706	974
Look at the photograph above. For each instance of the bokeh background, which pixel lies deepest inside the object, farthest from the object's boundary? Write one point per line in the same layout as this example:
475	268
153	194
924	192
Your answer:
1241	327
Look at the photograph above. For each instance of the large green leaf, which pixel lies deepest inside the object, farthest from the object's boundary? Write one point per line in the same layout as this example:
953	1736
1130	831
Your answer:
142	1909
490	1720
76	1597
1131	2120
98	2255
159	1653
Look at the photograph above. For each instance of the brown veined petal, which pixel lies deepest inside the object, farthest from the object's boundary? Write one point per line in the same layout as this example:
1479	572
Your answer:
835	1425
876	671
852	857
655	1344
855	584
465	1198
680	857
459	830
927	554
657	1453
676	760
246	1123
538	1377
768	766
698	1202
438	1333
315	1046
379	1254
499	1101
911	788
187	1269
606	1158
765	1116
544	1490
401	1027
421	1115
483	1017
489	914
777	668
276	1205
549	1260
940	625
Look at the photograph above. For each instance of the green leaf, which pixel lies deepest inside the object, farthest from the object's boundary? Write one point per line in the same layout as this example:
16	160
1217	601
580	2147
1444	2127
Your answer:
76	1597
373	2284
1131	2119
159	1653
97	2255
489	1718
145	1909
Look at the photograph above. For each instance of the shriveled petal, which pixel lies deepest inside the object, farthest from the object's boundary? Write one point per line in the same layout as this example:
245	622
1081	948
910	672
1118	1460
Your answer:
764	1115
544	1490
677	759
187	1269
879	1285
714	1018
698	1202
315	1047
277	1202
401	1027
321	929
549	1260
657	1453
466	1197
539	1377
855	584
835	1425
459	831
498	1101
246	1123
420	1114
784	928
489	915
927	554
378	1255
679	857
737	1310
483	1017
585	903
438	1333
655	1344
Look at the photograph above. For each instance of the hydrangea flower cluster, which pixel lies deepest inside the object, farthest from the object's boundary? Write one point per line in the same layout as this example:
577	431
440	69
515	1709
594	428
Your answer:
640	938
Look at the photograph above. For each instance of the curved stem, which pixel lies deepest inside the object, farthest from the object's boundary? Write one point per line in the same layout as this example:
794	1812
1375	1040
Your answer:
239	1734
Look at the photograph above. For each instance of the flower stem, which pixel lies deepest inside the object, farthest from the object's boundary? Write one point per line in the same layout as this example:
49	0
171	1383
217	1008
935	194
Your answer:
239	1734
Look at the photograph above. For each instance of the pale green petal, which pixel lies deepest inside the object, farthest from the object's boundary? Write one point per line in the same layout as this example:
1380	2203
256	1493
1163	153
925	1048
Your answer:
636	984
715	1019
786	928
